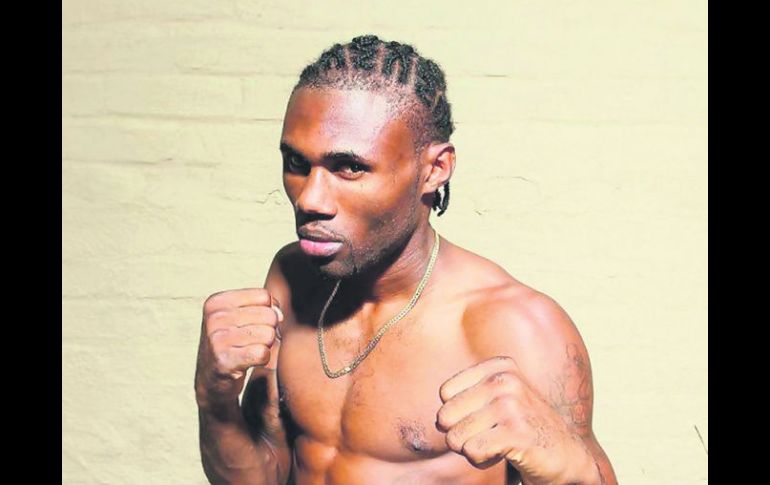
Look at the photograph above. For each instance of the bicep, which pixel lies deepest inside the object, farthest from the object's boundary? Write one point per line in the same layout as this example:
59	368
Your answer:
561	373
552	357
548	351
560	370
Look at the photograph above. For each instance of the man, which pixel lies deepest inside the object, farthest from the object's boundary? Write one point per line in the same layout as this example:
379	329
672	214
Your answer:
381	352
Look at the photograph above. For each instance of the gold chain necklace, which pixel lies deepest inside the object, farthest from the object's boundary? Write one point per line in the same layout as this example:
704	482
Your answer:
349	368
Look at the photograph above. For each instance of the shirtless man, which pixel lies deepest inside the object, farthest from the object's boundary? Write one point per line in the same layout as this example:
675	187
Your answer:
434	365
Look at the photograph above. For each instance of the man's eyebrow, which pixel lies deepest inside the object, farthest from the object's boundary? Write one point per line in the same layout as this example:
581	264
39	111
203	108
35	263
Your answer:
334	156
285	147
346	156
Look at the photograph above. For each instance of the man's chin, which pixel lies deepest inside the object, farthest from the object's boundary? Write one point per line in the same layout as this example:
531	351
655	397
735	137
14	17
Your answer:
330	268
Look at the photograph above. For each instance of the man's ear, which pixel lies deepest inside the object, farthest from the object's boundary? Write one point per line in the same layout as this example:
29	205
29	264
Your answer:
438	165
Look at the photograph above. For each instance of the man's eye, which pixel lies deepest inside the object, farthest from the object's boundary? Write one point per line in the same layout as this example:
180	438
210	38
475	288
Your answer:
353	168
296	164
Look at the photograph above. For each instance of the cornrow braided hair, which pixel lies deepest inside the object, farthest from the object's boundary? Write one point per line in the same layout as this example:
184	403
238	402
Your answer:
416	85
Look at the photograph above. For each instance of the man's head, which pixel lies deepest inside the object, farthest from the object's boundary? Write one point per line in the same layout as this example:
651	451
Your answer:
365	146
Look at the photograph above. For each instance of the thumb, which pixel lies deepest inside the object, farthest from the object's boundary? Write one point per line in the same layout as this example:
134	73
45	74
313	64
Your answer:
276	306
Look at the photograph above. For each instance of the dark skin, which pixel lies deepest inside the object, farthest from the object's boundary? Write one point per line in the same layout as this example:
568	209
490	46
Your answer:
485	381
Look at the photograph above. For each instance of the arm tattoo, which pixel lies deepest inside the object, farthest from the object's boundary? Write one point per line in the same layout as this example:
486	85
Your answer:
571	390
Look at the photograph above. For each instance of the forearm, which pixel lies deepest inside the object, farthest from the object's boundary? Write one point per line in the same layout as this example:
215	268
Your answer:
603	467
229	453
588	465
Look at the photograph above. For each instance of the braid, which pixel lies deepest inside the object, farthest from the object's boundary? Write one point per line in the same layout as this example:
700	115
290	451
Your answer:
369	63
333	58
401	54
363	51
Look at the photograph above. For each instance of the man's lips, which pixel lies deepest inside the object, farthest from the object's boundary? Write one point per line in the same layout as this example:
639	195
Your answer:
315	241
319	248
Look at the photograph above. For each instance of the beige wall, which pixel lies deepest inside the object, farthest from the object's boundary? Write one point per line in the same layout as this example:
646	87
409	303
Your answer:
582	169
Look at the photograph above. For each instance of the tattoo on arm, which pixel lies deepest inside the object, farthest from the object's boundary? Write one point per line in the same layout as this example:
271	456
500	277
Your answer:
571	390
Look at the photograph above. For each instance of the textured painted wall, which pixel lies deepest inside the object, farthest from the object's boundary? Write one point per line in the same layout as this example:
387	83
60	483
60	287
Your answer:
582	169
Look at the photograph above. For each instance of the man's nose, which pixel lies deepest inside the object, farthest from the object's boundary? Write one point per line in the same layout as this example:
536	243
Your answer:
316	195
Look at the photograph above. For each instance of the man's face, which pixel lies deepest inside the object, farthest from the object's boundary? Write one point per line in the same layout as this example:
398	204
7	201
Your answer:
349	170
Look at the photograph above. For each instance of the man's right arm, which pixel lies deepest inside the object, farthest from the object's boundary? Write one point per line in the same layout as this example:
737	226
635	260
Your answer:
237	449
242	444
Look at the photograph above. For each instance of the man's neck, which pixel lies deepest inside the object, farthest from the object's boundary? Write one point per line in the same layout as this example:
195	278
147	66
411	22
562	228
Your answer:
400	279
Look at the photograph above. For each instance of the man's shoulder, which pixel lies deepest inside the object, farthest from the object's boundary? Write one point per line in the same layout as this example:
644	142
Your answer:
289	270
515	320
486	285
502	315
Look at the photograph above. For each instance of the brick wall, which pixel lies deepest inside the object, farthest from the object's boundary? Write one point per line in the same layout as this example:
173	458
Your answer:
581	141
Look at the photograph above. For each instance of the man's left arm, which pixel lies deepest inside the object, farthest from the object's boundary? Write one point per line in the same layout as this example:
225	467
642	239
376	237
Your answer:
530	398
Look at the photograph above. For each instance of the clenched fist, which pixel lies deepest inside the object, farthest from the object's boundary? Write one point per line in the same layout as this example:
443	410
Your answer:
491	413
238	330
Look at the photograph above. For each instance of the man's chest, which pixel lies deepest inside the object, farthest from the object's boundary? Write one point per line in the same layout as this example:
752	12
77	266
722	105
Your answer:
386	408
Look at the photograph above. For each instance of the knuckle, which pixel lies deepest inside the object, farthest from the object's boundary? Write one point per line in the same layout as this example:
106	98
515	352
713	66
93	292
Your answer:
222	362
217	318
218	334
464	424
498	401
264	360
441	419
515	385
506	423
454	440
504	358
500	379
213	302
256	353
444	392
258	333
218	350
208	305
470	451
261	354
263	315
269	335
271	318
505	404
475	448
263	295
507	362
